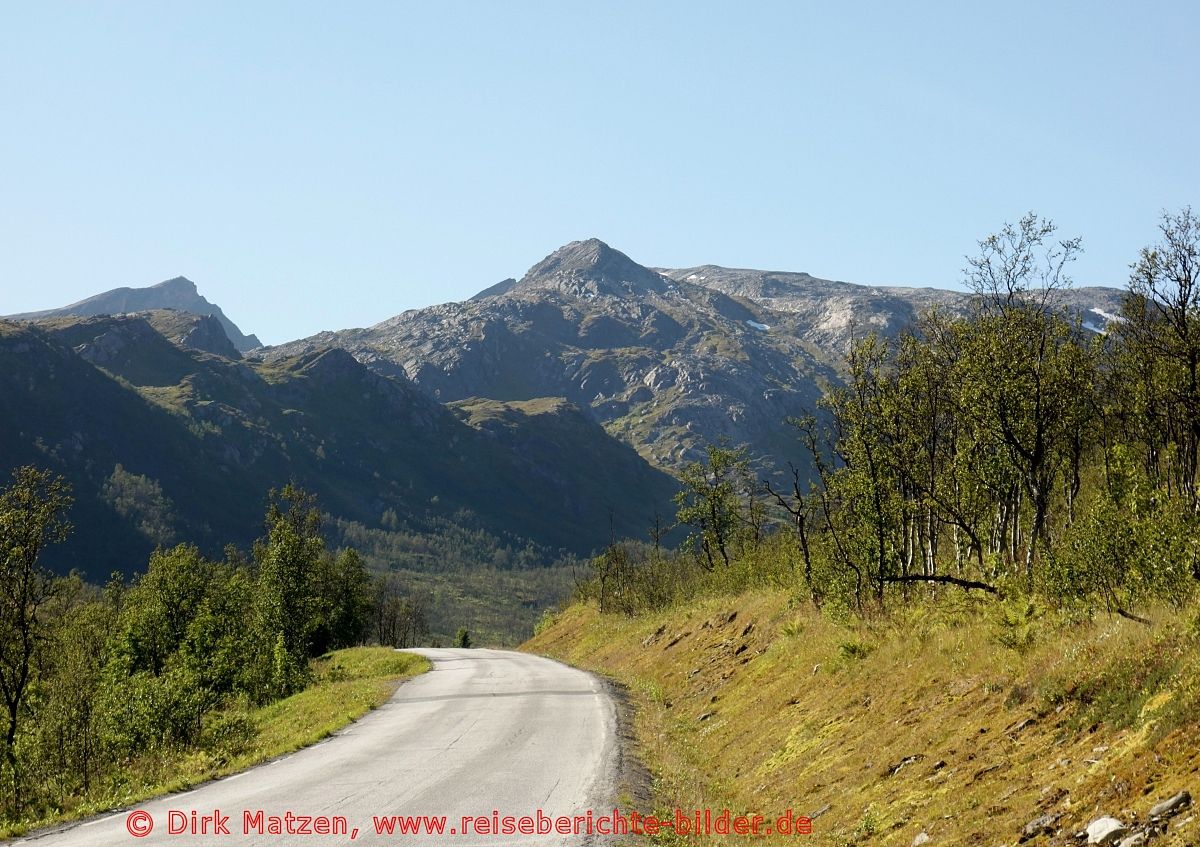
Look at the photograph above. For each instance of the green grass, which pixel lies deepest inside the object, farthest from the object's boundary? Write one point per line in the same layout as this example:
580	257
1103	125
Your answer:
349	683
931	718
346	685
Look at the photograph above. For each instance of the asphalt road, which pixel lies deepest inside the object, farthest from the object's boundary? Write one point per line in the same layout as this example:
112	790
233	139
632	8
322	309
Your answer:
485	731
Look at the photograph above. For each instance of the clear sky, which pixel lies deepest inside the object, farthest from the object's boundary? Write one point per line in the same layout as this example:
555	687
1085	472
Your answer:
322	165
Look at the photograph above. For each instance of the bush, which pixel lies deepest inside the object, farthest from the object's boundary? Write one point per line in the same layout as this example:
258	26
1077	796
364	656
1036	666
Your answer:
227	734
546	621
1134	544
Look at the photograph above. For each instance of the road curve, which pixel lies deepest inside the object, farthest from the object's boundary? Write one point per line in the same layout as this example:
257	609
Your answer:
484	731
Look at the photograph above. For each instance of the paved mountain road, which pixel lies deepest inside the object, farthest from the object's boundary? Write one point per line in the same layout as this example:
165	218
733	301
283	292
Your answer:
484	730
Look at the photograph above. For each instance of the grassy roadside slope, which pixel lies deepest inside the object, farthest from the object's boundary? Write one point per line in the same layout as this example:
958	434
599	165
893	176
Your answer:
962	721
347	684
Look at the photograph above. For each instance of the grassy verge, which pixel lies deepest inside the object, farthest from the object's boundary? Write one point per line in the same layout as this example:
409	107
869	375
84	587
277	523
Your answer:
349	684
346	685
962	720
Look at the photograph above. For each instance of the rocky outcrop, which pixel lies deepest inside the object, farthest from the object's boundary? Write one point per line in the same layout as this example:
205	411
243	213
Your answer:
195	332
828	313
1110	830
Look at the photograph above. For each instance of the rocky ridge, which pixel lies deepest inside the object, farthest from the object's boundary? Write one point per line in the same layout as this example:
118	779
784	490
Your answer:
178	294
667	360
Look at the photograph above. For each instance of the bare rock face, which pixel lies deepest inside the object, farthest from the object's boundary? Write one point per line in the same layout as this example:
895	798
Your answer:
666	366
666	360
589	268
195	332
1039	825
828	313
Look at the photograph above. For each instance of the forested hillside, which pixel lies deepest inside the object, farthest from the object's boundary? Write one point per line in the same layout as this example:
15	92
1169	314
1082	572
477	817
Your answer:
196	667
168	435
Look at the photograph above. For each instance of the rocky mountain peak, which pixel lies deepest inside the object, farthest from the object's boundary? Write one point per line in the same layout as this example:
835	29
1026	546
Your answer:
179	285
178	293
591	267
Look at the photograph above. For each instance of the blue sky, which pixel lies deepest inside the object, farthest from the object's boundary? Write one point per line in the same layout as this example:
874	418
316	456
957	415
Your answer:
317	166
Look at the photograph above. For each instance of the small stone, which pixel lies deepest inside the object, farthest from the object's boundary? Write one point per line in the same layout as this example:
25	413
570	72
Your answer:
1135	840
1037	826
1171	806
1022	725
1105	830
705	716
922	838
654	636
907	760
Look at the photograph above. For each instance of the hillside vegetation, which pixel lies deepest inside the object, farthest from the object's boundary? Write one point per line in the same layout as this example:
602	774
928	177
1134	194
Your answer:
345	685
977	622
210	434
963	719
195	668
167	434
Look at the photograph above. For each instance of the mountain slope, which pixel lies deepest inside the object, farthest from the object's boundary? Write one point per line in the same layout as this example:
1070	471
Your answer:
164	442
179	294
828	313
668	361
930	721
667	366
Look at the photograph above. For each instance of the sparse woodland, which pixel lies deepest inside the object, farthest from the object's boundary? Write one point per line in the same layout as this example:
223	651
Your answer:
1010	451
975	618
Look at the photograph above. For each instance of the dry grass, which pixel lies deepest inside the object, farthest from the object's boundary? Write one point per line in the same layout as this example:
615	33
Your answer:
751	704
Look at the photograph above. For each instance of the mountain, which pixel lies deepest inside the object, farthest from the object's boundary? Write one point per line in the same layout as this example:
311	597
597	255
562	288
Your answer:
665	365
465	446
178	294
166	442
666	360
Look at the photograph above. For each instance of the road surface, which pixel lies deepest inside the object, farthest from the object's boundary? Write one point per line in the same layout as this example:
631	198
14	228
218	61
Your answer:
484	732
